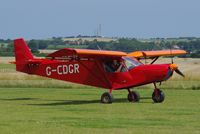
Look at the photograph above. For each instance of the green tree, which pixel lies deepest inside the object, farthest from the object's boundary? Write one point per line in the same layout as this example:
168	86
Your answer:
33	45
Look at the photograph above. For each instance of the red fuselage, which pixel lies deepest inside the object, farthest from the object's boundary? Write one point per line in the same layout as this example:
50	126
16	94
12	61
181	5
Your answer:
91	72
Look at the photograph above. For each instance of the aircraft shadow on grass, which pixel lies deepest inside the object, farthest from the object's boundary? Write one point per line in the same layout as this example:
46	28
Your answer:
16	99
70	102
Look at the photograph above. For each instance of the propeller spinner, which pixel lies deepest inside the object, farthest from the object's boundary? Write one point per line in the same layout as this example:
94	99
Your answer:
174	67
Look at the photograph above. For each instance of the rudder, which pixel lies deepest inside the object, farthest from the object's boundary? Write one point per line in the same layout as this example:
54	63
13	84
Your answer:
22	54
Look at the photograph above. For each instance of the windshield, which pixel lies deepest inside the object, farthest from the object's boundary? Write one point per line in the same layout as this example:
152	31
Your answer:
131	63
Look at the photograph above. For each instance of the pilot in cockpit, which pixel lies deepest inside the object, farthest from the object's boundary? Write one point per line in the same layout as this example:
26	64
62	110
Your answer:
114	66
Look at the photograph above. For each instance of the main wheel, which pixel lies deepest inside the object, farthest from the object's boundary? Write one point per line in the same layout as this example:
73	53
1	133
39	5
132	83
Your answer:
106	98
133	96
159	96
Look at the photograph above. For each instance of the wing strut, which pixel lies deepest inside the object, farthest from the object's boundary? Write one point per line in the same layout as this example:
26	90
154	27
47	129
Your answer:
154	59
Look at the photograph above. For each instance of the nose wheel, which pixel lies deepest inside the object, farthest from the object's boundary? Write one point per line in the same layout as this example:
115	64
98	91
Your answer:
158	95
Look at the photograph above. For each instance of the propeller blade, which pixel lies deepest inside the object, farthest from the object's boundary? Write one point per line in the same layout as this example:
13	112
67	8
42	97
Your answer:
179	72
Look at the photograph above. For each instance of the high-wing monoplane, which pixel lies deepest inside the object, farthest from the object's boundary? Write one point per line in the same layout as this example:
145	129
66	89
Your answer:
112	70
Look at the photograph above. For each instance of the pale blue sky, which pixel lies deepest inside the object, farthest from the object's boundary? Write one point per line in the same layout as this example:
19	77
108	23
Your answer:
118	18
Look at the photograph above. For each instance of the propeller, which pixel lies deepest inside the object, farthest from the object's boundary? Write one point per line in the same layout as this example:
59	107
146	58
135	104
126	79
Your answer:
179	72
174	67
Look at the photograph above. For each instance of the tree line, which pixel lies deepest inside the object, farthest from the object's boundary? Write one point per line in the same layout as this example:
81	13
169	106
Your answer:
122	44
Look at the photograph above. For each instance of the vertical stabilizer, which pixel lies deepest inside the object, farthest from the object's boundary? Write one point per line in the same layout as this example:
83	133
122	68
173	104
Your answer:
22	55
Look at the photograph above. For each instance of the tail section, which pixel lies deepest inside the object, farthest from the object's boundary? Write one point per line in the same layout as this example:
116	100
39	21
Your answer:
22	55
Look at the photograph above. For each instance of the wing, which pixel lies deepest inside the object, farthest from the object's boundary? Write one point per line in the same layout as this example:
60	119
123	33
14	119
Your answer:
84	53
152	54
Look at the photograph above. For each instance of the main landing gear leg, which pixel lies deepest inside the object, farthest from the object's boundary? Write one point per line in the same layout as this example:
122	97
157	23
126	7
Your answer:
158	95
107	97
133	96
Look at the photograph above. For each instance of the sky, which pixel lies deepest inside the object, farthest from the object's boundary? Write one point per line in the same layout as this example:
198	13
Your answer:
39	19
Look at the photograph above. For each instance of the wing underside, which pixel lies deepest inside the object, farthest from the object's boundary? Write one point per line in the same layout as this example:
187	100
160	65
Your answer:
158	53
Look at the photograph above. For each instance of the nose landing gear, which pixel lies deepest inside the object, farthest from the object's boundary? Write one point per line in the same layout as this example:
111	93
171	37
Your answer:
158	95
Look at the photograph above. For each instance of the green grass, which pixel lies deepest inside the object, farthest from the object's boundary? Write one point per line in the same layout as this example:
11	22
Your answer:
28	105
56	111
7	66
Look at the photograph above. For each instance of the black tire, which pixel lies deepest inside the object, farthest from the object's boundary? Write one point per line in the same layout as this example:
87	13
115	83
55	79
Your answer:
106	98
159	98
133	96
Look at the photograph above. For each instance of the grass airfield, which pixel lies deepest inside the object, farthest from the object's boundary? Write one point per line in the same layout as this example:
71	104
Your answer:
32	105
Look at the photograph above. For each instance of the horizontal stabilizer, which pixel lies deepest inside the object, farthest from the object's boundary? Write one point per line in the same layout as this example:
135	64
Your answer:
12	62
34	61
31	61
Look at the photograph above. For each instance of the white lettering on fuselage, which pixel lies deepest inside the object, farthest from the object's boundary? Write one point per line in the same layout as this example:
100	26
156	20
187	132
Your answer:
63	69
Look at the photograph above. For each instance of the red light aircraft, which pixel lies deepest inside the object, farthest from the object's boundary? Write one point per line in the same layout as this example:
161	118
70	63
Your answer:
111	70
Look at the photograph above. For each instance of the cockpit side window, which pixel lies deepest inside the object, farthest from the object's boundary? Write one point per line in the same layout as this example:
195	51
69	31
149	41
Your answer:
131	63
